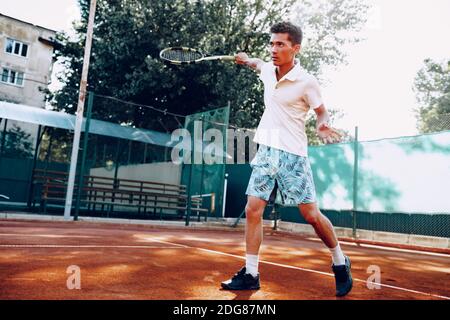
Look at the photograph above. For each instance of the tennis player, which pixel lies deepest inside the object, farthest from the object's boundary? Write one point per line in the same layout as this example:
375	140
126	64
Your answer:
281	162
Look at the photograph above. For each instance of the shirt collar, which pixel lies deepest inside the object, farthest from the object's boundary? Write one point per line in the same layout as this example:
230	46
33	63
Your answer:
295	73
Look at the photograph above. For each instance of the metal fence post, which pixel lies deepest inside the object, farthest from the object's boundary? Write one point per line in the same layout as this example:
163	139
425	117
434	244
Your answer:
2	144
355	181
33	167
83	157
80	110
189	193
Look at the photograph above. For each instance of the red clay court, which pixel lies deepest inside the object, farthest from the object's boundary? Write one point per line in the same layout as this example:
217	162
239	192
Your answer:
120	261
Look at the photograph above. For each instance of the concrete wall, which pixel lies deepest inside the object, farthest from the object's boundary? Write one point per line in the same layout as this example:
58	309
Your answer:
164	172
36	66
378	237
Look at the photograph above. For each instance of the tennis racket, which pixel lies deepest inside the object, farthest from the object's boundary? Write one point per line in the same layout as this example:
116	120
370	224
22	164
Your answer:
183	55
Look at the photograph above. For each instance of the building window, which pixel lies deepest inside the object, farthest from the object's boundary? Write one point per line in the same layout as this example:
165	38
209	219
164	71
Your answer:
9	45
19	79
5	75
16	47
12	77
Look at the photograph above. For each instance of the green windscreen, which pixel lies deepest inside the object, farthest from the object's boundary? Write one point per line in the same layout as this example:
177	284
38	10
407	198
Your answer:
201	177
408	174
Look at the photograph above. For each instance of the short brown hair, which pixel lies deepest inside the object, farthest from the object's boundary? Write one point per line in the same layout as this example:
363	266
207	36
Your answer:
295	34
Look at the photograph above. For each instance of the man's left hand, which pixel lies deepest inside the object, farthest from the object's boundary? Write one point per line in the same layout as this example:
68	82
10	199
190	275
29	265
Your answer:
327	133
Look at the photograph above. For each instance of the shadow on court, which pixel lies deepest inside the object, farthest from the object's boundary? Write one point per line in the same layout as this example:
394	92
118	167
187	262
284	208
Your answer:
148	262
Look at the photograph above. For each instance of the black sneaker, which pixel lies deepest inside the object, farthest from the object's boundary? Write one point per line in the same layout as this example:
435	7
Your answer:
242	281
343	277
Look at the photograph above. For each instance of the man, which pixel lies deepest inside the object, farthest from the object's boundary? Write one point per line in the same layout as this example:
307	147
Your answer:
281	161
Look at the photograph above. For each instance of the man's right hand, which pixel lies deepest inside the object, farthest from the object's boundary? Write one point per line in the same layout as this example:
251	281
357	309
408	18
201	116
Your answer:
254	63
242	58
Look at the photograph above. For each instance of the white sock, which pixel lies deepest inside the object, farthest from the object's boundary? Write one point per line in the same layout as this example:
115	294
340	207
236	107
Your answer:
337	255
251	264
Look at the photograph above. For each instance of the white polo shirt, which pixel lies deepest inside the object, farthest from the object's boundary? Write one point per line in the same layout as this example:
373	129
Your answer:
287	103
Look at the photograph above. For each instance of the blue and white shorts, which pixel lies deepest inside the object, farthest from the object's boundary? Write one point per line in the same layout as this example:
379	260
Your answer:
288	174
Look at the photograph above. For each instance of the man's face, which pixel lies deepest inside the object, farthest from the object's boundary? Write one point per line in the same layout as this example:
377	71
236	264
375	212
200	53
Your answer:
281	49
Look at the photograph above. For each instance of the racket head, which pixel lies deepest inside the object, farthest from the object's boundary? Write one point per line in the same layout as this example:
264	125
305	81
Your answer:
180	55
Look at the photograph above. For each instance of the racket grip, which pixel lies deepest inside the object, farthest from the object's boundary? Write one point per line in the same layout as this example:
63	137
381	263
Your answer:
228	58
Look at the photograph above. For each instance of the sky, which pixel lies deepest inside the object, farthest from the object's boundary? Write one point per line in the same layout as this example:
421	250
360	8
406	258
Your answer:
53	14
374	90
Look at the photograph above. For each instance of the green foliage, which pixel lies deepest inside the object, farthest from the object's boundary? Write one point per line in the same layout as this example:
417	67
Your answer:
130	33
328	27
17	143
432	87
55	145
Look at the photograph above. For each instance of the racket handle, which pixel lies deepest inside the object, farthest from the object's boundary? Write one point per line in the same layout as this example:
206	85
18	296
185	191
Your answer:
223	58
228	58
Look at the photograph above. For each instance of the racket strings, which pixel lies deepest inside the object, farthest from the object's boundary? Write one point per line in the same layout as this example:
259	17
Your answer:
181	55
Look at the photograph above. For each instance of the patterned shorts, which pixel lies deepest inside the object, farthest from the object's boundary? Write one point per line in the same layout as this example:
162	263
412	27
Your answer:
280	173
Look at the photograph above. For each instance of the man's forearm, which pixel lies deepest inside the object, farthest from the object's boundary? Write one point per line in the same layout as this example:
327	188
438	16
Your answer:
254	63
323	118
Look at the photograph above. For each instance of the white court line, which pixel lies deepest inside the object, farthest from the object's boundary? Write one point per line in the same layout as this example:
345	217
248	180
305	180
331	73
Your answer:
172	245
318	272
374	246
429	253
44	235
83	246
179	246
366	245
166	242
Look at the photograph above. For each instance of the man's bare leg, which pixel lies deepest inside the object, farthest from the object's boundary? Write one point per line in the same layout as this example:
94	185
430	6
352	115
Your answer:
320	223
248	278
324	230
253	227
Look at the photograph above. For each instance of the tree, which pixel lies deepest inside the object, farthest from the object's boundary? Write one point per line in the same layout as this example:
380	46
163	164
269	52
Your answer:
55	145
130	33
18	143
432	87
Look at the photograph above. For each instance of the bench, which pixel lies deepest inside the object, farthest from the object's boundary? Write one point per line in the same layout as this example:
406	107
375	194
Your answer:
110	195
